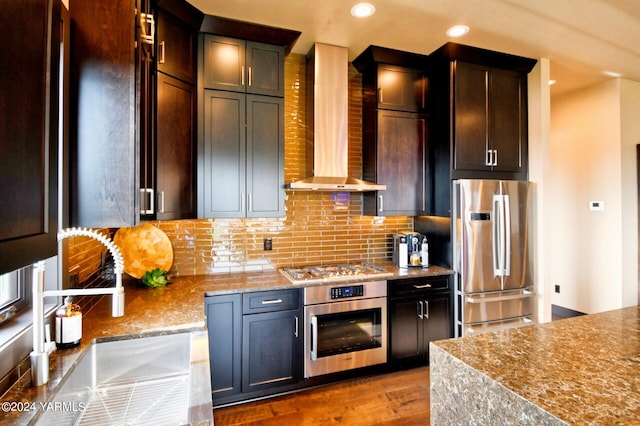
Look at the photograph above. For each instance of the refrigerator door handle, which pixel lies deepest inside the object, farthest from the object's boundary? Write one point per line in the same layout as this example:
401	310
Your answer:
501	236
525	294
506	233
498	228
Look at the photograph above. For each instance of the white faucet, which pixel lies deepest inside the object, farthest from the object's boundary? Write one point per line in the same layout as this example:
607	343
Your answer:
41	348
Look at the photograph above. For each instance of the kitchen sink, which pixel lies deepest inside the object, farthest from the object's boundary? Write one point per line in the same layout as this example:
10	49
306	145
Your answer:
154	380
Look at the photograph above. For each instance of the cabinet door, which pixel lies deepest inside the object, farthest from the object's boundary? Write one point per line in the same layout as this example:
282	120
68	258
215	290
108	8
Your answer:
270	356
437	321
471	117
265	156
508	107
29	132
175	137
224	158
404	329
105	182
224	63
401	164
401	89
176	54
224	325
265	69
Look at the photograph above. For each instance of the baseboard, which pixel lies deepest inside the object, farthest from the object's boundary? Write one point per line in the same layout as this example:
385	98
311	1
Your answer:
559	312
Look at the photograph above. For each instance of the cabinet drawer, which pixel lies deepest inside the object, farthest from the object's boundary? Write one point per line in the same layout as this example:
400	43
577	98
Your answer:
270	301
415	286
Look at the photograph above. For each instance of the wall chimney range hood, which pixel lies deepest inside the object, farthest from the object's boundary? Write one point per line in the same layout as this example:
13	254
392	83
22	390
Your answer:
327	128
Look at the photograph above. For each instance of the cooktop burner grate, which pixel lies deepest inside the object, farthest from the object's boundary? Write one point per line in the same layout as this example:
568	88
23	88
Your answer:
329	273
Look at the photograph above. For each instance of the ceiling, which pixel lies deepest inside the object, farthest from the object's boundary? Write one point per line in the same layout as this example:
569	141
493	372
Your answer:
581	38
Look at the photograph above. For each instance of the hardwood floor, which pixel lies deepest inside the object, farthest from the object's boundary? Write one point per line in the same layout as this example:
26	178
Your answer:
399	398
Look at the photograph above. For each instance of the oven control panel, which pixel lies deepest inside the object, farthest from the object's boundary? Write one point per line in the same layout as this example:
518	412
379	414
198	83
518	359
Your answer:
347	291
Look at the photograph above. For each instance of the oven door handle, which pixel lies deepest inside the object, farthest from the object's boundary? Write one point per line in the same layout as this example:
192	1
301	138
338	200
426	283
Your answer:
313	322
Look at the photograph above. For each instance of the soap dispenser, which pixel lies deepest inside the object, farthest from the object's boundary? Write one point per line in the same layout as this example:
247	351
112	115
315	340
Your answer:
68	325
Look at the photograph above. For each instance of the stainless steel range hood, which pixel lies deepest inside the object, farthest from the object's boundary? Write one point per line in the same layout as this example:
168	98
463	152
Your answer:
327	128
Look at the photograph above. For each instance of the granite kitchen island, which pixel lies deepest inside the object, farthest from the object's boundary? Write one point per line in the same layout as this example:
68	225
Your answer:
582	370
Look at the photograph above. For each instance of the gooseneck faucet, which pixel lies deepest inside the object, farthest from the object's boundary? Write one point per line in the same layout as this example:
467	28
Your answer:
42	349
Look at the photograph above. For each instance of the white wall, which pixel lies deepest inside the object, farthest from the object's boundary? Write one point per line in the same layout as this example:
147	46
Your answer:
539	122
593	255
630	135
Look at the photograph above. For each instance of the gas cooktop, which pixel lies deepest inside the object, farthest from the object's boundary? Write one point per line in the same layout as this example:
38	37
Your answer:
332	273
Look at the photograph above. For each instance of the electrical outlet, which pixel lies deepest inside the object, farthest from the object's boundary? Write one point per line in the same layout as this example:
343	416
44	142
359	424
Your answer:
557	288
268	244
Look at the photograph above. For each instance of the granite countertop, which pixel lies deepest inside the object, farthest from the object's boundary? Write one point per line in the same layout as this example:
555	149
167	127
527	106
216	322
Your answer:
176	307
581	370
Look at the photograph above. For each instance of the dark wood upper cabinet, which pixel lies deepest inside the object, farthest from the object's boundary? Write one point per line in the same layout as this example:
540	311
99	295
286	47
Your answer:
479	118
490	120
401	89
175	149
29	125
104	157
396	157
243	66
176	47
242	160
395	131
241	129
168	114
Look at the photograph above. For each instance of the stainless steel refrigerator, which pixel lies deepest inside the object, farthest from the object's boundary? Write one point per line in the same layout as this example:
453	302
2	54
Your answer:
492	235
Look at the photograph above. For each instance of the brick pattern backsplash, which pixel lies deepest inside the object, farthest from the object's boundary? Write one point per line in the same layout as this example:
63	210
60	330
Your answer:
85	255
319	228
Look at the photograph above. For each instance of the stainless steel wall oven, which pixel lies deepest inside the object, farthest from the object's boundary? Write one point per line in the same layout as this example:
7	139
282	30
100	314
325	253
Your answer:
346	327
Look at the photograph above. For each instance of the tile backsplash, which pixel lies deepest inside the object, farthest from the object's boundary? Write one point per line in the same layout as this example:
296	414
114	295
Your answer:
319	228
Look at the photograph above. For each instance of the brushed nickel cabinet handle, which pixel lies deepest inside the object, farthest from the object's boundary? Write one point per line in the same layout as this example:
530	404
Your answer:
146	200
161	54
422	286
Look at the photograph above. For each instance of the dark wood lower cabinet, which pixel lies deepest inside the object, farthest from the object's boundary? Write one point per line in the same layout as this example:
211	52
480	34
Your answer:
255	338
270	355
254	354
420	311
224	324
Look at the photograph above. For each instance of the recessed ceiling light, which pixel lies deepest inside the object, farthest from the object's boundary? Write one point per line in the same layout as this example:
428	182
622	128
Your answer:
612	74
457	31
552	82
363	10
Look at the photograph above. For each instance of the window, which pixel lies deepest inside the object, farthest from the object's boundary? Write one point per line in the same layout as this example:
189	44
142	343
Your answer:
15	292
